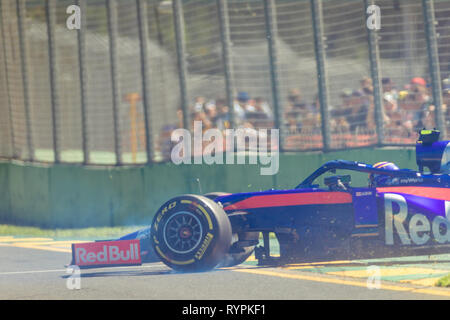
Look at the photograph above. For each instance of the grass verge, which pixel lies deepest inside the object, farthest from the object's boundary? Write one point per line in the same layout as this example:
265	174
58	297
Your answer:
94	233
444	282
72	234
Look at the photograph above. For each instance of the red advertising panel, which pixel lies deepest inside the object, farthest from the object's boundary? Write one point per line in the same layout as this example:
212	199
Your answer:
123	252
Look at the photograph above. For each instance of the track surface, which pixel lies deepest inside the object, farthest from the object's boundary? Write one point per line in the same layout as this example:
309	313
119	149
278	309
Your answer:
33	273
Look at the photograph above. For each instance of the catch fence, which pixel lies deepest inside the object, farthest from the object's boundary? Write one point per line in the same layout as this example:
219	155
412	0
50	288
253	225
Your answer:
113	91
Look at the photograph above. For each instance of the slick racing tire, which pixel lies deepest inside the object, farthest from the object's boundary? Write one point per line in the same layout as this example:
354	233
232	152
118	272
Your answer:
236	258
191	233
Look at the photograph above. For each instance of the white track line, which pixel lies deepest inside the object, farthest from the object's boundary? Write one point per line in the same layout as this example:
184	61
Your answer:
25	239
64	270
34	271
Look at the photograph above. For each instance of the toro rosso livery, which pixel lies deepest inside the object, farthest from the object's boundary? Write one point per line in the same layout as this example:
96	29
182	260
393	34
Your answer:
394	212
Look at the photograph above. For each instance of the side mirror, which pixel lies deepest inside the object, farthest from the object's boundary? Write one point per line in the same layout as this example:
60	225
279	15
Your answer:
338	182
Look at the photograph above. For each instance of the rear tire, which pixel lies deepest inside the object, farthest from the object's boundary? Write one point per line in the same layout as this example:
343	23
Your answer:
236	258
191	233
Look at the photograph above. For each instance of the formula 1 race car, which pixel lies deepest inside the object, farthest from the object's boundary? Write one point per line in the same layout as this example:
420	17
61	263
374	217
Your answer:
398	212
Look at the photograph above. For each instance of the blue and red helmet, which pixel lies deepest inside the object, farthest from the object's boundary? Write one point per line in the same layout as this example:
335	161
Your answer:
376	179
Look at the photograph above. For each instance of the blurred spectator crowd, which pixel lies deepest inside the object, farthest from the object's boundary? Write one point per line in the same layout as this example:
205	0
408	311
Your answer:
250	114
406	110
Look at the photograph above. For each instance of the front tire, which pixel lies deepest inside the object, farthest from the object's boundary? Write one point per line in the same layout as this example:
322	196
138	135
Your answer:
191	233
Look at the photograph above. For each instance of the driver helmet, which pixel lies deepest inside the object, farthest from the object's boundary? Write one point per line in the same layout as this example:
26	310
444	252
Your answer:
376	179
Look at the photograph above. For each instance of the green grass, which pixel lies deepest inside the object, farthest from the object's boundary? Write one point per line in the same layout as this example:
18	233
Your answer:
444	281
97	233
72	234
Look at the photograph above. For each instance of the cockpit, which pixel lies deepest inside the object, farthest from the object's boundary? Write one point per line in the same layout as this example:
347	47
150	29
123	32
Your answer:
432	155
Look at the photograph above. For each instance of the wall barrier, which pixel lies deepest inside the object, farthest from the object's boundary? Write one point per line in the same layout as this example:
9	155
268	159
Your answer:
68	196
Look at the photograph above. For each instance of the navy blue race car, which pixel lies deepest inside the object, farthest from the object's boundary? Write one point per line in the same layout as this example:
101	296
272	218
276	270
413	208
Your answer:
393	212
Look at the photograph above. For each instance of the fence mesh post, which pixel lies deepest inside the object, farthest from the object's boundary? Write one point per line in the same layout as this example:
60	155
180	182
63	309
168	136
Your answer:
181	59
24	64
317	20
83	80
222	8
141	7
53	65
113	34
374	56
272	33
433	62
8	88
